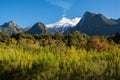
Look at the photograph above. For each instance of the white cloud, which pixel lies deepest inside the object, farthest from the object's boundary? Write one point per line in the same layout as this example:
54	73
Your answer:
65	5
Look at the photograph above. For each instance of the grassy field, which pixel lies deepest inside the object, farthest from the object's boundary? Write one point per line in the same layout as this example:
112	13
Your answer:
53	63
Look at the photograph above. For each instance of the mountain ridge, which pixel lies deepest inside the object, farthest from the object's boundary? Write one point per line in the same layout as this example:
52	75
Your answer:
96	24
90	23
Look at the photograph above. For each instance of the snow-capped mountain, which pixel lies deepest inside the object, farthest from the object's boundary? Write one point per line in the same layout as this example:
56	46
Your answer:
63	24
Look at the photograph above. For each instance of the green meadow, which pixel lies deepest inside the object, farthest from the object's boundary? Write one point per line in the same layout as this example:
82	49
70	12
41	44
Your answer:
28	59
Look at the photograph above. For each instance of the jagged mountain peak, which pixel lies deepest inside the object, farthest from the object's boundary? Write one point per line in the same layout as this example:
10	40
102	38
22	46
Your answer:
39	23
10	28
12	23
87	13
96	24
99	19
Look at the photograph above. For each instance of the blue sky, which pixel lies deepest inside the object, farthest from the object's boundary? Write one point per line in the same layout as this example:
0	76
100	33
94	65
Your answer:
28	12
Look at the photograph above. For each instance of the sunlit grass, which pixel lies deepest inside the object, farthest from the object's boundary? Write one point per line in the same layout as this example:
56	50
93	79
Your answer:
48	63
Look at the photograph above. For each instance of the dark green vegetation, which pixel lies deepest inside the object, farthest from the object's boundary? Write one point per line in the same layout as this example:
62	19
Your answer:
59	57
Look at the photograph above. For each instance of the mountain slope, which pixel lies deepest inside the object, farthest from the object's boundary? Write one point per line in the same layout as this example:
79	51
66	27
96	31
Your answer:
96	24
63	24
38	28
10	28
27	28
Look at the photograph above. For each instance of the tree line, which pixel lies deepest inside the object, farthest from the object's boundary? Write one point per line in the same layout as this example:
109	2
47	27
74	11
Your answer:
77	39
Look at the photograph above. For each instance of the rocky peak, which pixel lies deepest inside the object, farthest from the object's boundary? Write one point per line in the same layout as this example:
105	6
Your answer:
9	24
88	14
12	23
39	24
10	28
38	28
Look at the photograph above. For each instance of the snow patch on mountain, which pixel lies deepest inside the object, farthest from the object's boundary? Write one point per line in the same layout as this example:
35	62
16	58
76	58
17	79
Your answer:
64	22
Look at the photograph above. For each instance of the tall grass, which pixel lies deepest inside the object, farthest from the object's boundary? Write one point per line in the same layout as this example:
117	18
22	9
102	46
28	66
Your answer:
53	63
